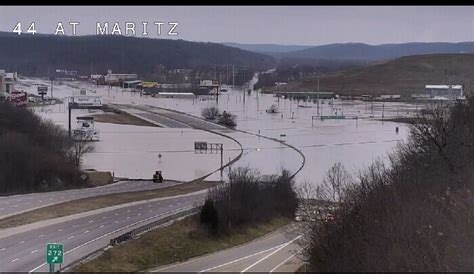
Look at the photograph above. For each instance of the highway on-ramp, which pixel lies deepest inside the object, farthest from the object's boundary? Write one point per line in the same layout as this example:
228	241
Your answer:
275	252
12	205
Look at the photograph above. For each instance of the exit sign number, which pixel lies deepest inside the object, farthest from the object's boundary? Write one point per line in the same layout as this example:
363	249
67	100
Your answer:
54	253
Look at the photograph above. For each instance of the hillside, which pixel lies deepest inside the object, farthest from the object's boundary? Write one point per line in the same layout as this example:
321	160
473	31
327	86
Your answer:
40	55
267	48
404	75
360	51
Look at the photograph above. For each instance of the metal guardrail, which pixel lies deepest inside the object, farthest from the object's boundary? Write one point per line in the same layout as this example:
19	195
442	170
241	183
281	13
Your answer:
142	229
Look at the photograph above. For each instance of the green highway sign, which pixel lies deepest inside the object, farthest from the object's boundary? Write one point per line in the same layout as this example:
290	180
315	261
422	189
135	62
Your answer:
54	253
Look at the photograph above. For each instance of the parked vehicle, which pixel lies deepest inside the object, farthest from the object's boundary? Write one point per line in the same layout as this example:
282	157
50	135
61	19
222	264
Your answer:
157	177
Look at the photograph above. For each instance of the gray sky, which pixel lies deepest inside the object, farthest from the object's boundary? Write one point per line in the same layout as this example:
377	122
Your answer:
262	24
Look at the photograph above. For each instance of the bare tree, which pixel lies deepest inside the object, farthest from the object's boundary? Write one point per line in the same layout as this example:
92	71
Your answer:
78	149
210	113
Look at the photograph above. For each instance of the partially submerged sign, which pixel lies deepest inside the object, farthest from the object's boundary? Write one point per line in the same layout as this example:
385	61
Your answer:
200	145
86	101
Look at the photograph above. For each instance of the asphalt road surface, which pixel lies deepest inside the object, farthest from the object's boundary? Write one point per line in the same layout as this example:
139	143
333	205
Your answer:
26	251
12	205
276	252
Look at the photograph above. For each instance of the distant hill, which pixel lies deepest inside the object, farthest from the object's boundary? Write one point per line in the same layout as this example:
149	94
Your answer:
364	52
405	75
267	48
40	55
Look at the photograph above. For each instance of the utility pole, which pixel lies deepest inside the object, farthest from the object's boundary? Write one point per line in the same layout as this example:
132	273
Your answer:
317	100
233	76
52	79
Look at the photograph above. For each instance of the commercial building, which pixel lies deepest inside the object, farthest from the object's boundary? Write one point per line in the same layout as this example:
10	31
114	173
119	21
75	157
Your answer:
444	91
7	83
117	78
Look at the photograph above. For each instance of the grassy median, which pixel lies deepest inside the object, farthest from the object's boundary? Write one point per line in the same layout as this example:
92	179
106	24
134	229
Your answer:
180	241
91	203
122	118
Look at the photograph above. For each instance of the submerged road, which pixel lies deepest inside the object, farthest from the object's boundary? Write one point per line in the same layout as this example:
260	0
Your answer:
12	205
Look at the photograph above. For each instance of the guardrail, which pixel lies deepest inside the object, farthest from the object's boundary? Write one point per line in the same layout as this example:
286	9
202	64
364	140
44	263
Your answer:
142	229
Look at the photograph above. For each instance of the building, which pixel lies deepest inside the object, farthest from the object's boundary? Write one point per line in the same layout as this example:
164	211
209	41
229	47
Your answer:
7	83
131	84
117	78
444	91
64	74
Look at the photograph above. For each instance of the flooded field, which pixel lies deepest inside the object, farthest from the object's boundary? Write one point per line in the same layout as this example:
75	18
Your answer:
131	151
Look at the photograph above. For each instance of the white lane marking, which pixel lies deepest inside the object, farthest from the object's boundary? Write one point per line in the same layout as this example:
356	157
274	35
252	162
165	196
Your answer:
115	221
170	206
1	249
42	235
14	260
128	217
87	231
110	233
59	230
271	254
149	205
34	251
282	263
101	226
70	237
179	203
240	259
91	221
22	242
104	217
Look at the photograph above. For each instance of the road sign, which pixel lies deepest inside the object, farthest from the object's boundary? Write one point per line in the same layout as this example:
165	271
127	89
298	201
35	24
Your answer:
42	90
54	253
200	145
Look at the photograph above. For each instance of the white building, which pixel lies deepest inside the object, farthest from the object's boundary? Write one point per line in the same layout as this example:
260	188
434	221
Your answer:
117	77
444	91
7	82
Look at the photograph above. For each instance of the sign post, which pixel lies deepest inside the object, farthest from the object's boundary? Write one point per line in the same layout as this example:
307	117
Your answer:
42	90
54	255
204	147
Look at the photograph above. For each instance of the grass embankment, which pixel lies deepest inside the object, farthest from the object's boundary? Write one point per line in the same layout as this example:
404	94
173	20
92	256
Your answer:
122	118
180	241
87	204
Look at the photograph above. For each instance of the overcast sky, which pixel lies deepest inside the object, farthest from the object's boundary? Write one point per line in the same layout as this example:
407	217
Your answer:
297	25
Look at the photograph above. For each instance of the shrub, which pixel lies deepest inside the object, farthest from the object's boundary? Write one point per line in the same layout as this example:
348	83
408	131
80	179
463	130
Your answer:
209	216
250	198
228	120
210	113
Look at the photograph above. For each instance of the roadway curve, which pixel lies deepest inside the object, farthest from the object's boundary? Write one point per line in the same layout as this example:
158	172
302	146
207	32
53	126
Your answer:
26	251
275	252
12	205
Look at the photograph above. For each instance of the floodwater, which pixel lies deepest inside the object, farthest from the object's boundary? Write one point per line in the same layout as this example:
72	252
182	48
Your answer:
131	150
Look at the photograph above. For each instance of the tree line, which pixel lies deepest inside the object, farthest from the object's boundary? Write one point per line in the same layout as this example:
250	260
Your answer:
36	154
414	213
